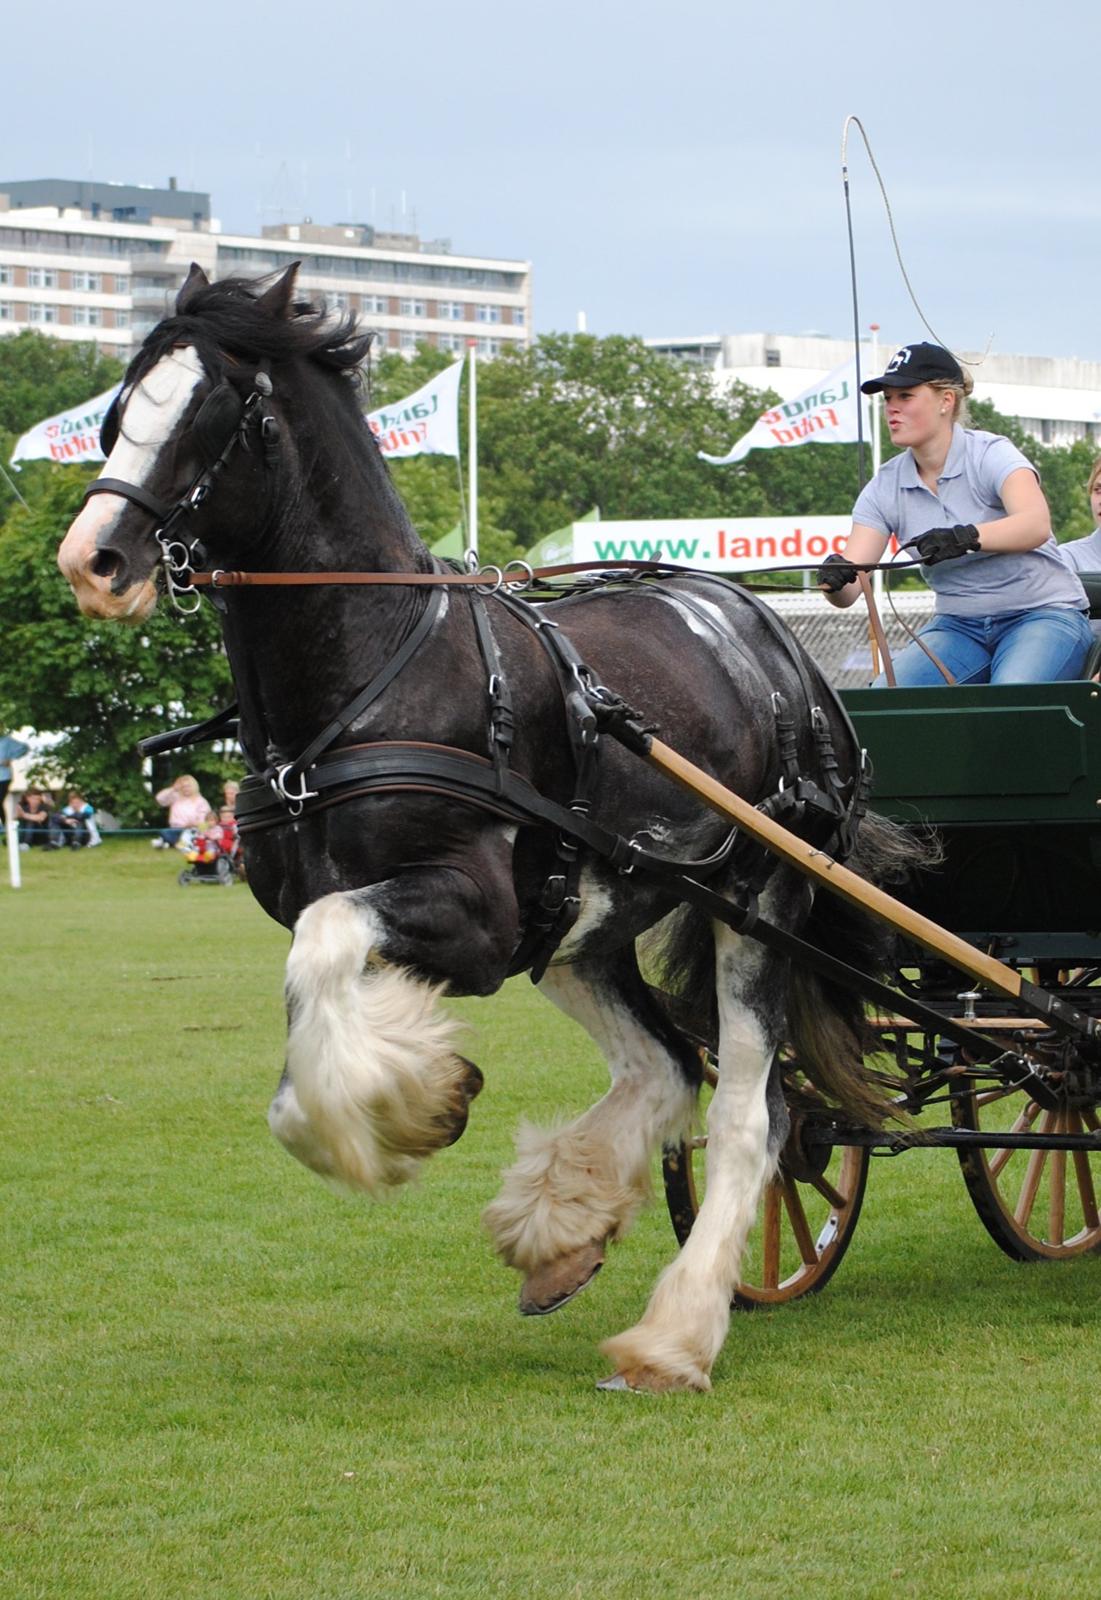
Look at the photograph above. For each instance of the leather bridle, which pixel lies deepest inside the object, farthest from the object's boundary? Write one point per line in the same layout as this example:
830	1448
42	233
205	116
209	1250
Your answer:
222	422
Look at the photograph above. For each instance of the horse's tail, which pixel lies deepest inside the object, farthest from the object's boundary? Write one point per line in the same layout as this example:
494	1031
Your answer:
827	1027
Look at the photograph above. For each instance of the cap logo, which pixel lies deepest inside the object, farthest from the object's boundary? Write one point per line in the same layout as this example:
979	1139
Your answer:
899	359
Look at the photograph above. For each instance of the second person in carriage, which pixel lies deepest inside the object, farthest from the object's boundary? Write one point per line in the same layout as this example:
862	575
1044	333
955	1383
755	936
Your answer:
969	507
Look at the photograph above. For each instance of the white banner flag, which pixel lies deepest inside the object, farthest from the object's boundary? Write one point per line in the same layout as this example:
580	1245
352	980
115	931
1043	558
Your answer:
425	423
823	414
70	436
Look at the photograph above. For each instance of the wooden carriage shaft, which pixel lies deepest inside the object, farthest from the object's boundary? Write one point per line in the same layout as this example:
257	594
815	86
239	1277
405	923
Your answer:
840	880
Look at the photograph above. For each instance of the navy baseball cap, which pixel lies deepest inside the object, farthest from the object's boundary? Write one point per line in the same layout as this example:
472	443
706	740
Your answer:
914	364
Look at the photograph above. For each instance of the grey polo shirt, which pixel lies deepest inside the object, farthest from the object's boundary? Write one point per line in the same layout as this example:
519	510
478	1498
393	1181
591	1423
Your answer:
1084	555
981	583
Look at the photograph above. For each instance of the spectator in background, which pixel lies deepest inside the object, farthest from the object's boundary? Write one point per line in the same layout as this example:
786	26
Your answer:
75	823
227	829
186	809
32	815
10	750
1084	555
229	794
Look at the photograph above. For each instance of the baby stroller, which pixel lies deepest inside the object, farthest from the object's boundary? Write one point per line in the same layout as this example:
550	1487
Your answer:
211	860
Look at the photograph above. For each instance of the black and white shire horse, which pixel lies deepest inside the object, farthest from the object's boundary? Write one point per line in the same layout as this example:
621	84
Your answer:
394	731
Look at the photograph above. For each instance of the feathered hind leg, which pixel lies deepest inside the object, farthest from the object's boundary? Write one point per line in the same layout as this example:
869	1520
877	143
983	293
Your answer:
576	1188
675	1344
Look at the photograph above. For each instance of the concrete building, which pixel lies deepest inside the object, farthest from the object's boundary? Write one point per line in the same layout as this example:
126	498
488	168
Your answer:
1056	399
101	262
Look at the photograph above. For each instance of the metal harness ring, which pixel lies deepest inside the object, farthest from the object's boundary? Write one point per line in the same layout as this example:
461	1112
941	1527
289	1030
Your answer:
521	583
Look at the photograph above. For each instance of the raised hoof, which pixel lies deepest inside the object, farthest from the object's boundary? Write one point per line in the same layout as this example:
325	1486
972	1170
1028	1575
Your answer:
467	1090
551	1286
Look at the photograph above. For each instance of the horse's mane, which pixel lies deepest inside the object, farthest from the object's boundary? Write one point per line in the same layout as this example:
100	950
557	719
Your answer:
229	327
225	319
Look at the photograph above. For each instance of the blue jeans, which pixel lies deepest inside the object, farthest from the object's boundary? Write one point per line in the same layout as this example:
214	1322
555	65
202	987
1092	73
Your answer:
1044	645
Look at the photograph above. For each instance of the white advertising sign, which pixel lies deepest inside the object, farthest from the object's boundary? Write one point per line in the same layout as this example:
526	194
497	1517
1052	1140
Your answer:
70	436
425	423
823	414
734	544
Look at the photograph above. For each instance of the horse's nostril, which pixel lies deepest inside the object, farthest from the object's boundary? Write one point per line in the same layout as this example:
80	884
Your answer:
105	563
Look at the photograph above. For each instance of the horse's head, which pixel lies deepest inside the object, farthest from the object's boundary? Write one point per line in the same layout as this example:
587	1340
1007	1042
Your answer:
193	447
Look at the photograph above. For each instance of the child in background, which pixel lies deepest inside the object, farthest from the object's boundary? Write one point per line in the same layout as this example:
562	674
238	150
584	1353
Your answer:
207	844
75	823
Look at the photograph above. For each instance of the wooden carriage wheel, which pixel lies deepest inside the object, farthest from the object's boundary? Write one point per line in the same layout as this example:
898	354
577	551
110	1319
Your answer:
808	1215
1037	1205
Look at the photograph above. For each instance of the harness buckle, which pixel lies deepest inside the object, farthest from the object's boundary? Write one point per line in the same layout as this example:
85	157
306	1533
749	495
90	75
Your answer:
628	867
293	802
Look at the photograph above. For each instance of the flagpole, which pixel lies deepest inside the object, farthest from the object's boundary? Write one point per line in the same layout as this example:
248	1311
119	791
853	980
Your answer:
15	877
472	459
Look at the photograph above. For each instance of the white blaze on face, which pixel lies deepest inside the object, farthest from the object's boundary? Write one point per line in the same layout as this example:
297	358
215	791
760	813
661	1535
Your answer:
152	414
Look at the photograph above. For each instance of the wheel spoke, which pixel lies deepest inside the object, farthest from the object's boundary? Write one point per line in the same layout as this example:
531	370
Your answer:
828	1192
1084	1177
770	1232
799	1224
1025	1120
1057	1199
1022	1211
1090	1119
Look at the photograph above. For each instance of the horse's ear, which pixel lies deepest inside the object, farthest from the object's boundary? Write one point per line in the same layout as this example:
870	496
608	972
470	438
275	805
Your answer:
196	279
277	300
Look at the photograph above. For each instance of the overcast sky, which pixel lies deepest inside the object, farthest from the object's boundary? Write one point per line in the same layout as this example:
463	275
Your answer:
668	169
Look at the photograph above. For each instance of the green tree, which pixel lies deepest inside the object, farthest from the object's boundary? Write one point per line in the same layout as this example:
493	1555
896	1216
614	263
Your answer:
575	421
40	376
100	686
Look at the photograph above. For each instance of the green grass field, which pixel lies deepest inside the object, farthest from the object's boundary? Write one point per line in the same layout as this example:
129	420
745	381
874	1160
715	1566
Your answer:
221	1380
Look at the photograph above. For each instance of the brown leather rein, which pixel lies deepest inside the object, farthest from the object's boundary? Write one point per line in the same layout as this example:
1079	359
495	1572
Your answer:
492	579
489	577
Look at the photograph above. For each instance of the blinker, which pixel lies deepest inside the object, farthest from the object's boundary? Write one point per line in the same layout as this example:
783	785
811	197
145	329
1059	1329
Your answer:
217	420
109	428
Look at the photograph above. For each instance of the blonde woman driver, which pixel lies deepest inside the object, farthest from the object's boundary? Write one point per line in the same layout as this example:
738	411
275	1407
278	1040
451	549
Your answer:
967	505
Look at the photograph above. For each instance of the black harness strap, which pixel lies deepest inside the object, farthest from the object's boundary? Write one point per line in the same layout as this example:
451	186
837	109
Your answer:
223	725
501	720
161	509
282	777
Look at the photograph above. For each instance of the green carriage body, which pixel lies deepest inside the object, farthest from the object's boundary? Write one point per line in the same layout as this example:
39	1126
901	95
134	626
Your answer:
1010	777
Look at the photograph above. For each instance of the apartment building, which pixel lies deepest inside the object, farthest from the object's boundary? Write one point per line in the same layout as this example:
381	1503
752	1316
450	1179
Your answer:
1055	399
95	261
